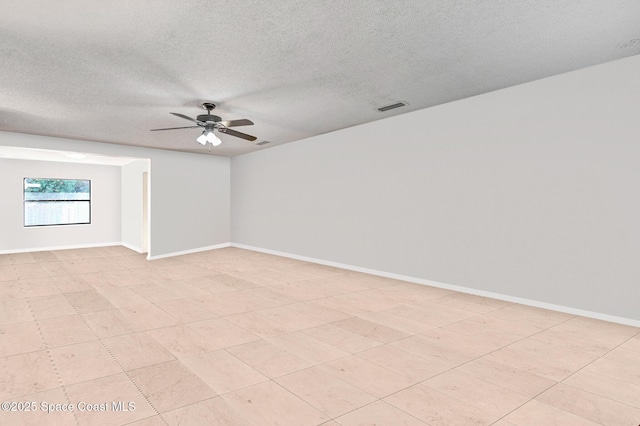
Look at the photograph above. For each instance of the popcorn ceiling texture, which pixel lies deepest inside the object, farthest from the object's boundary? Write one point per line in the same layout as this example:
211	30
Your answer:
110	71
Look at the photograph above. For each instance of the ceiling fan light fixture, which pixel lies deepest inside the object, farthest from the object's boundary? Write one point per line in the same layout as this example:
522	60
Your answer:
202	139
213	139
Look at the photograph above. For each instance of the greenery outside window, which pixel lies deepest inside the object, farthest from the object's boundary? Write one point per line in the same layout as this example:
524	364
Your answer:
56	202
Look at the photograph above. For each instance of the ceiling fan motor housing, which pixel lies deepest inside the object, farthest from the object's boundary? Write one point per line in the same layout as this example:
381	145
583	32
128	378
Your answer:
209	117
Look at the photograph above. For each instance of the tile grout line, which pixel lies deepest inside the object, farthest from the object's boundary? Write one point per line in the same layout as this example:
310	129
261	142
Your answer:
116	361
48	350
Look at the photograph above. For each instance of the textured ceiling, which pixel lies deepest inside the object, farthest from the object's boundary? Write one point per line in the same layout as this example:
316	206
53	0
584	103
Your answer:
109	71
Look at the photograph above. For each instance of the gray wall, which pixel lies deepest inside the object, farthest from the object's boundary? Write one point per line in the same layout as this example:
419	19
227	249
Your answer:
530	192
132	202
105	206
189	192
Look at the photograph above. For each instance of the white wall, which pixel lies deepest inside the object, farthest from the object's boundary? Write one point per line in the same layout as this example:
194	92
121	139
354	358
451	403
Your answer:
189	192
105	206
531	192
132	203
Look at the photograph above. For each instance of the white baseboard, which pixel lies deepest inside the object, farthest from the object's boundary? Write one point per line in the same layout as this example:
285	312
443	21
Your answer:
190	251
522	301
69	247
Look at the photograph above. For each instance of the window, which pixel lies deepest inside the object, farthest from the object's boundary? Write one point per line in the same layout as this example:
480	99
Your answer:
56	202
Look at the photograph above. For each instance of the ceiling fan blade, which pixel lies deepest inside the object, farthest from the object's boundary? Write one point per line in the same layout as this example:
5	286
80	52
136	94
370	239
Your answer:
237	134
236	123
174	128
185	117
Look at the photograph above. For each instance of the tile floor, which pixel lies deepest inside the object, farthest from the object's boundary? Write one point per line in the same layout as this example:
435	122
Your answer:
233	337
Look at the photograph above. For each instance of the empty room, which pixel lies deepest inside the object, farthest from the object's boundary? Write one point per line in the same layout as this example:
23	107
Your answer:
320	213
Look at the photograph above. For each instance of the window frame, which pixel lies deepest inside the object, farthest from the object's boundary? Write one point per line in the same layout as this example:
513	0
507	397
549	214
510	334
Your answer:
25	201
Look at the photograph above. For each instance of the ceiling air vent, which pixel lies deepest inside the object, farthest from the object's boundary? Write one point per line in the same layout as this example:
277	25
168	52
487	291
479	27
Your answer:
392	106
263	143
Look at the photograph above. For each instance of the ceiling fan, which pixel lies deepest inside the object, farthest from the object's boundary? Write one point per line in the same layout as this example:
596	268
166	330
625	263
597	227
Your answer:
209	123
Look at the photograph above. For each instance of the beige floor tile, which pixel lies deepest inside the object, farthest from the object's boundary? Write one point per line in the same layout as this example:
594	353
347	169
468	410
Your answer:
306	347
88	301
133	351
493	331
148	317
83	361
149	421
84	266
8	273
223	372
10	290
308	326
233	282
185	310
411	366
624	355
447	346
372	330
183	288
370	281
152	292
269	404
293	316
438	409
515	379
537	317
237	301
14	310
553	362
571	341
403	324
29	271
432	314
318	314
471	302
625	371
20	338
70	283
262	325
107	390
64	331
379	413
120	296
326	392
341	304
269	359
632	344
25	374
307	289
274	297
416	291
212	412
341	338
222	333
606	333
618	390
170	385
50	306
110	323
38	287
182	341
532	363
476	392
536	413
43	414
588	405
371	300
369	377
